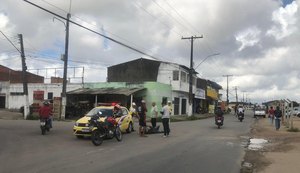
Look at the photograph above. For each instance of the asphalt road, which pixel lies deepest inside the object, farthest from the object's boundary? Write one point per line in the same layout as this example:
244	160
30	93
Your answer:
193	146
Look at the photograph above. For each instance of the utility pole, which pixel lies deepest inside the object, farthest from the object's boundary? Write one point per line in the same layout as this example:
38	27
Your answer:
236	95
64	90
191	72
243	97
24	77
227	88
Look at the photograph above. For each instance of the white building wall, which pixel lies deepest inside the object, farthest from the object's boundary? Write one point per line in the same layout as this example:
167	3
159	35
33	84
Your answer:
17	101
180	88
165	75
181	96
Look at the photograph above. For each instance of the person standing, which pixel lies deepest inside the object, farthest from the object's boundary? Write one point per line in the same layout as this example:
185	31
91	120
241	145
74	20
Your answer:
133	110
154	114
278	115
142	118
271	115
165	118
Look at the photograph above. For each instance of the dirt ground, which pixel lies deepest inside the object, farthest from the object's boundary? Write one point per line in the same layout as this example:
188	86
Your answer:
280	154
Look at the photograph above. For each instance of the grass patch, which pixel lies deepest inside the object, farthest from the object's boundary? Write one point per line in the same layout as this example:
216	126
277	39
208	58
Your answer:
192	118
293	129
32	117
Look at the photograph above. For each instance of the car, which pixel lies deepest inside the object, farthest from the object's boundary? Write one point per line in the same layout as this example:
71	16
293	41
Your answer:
81	127
296	111
260	112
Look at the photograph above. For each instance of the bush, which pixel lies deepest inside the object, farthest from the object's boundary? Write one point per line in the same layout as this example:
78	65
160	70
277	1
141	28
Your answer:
293	129
191	118
32	117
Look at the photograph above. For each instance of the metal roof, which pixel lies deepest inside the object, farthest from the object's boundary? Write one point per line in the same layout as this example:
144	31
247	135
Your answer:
94	91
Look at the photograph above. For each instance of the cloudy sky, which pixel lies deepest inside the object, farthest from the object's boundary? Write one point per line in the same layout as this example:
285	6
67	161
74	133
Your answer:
257	40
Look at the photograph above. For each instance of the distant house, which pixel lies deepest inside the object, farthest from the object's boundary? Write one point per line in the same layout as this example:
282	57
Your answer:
12	76
11	88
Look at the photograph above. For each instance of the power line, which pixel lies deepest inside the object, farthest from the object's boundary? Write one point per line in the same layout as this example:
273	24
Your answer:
10	41
109	38
194	28
146	11
168	14
95	27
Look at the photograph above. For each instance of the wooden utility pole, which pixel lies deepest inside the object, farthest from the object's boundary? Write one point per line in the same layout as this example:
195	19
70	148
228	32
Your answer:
227	100
64	89
191	72
24	77
236	95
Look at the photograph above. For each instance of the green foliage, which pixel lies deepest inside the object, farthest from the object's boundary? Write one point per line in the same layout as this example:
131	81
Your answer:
191	118
293	129
32	117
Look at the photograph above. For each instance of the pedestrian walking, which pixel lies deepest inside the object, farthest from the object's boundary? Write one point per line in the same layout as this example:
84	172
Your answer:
278	115
142	118
235	110
166	118
154	114
271	115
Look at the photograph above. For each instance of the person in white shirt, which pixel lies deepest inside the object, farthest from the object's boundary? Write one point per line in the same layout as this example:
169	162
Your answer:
241	109
154	114
133	110
165	118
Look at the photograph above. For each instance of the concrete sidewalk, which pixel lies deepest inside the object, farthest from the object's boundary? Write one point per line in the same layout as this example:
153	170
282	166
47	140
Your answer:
281	154
10	115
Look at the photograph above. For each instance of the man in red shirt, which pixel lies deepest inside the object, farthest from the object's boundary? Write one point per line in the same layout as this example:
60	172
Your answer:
271	115
45	112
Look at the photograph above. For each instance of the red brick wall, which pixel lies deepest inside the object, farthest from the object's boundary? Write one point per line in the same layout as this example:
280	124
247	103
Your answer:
13	76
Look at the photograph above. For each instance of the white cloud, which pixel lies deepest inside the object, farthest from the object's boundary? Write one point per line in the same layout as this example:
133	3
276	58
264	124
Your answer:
3	21
241	31
285	21
248	37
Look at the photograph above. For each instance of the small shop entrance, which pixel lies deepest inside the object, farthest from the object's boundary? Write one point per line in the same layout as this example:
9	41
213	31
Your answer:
2	102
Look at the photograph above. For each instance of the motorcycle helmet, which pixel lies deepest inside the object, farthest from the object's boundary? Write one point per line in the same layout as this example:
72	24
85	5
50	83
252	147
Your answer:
46	103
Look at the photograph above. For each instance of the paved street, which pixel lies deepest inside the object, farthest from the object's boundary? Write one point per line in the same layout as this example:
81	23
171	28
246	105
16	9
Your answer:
194	146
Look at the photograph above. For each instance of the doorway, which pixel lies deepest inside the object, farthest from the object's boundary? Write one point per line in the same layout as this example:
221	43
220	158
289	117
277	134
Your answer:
183	106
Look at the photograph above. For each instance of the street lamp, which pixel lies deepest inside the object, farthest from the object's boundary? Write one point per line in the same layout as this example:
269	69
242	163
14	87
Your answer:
215	54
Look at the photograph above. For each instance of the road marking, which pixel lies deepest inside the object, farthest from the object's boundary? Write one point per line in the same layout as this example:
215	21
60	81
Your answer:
94	151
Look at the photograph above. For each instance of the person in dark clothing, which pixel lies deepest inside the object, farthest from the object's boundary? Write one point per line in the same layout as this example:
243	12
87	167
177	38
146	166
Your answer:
278	115
142	118
219	113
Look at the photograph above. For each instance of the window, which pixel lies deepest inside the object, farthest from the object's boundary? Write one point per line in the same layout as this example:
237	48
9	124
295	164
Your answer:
183	76
176	75
16	93
50	96
124	111
164	100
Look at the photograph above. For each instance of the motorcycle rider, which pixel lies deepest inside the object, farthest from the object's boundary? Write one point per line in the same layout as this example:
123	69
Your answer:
219	113
45	112
117	112
241	110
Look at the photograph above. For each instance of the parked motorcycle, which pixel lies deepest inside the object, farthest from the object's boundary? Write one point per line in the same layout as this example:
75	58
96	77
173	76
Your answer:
110	128
45	125
219	121
240	116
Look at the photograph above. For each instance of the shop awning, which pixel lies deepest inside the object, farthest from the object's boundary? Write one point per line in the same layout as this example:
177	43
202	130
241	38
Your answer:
112	91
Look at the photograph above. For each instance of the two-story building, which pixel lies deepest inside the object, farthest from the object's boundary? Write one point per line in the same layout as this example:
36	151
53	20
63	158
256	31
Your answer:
176	75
